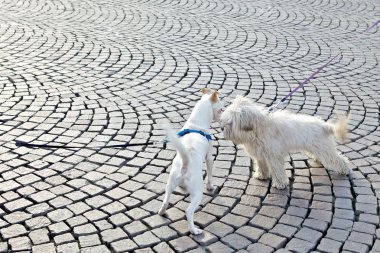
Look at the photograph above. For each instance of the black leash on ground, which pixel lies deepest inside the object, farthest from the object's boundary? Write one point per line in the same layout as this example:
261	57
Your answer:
125	145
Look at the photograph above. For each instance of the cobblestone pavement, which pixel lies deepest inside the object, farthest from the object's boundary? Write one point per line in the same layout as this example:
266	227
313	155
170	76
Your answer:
106	72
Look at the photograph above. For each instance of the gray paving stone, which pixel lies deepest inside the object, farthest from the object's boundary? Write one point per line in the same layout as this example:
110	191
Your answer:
365	208
319	225
297	211
58	228
86	229
164	233
146	239
236	241
273	240
361	238
309	235
364	228
64	238
13	231
337	234
298	245
291	220
376	246
284	230
60	215
76	221
95	215
263	222
216	210
100	249
39	236
244	210
17	205
342	192
20	243
344	214
355	247
272	211
369	218
234	221
17	217
219	247
252	233
328	245
48	248
322	215
112	235
342	224
276	200
258	247
219	229
37	222
183	244
89	240
135	228
4	247
163	247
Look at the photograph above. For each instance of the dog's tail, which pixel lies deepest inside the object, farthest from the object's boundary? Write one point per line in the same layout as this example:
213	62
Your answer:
339	129
173	138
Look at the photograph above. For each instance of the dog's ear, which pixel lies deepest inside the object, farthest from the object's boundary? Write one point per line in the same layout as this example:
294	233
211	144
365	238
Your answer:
251	119
248	119
214	97
205	90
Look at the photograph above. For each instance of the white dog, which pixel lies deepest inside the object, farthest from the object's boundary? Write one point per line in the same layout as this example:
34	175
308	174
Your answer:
193	148
269	137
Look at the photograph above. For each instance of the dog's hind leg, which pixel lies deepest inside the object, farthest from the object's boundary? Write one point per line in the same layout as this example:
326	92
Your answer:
279	178
262	170
331	160
196	198
209	165
171	185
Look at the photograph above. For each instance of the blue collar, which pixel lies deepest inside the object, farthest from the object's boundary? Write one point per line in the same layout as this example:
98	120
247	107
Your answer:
187	131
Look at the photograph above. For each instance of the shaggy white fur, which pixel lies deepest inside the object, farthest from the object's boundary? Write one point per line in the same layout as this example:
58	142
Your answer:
192	150
269	138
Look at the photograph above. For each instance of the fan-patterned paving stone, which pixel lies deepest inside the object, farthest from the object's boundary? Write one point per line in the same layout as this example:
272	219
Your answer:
100	73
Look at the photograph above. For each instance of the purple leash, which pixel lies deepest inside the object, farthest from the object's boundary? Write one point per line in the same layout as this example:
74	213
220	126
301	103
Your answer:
303	83
372	26
270	109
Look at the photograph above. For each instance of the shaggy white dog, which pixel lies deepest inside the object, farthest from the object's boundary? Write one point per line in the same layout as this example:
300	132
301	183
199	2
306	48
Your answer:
269	137
193	148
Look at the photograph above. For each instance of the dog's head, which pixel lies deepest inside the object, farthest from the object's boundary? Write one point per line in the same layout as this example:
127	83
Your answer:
242	121
216	103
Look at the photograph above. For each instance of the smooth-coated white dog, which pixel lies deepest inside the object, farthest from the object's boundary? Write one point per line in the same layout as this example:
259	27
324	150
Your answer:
269	137
192	149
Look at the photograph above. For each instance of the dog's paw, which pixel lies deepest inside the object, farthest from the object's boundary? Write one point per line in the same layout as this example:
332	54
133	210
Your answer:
280	185
210	187
197	231
259	175
344	172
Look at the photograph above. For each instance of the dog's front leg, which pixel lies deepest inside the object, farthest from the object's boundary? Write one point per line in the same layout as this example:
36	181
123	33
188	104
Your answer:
279	178
209	165
261	171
